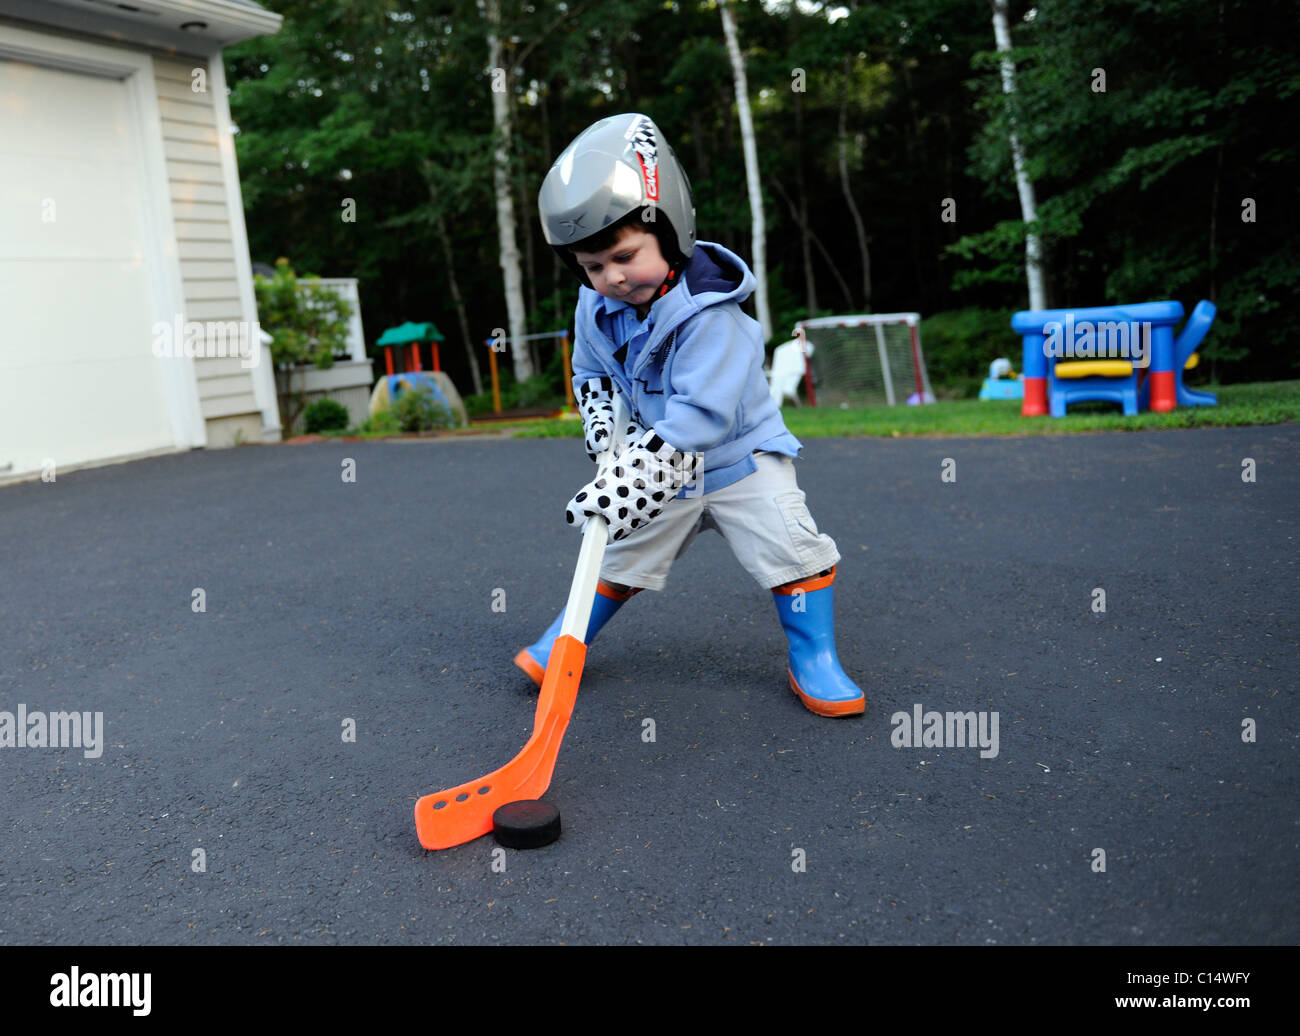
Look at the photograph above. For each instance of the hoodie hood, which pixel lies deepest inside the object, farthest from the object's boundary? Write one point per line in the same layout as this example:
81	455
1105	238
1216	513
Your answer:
698	380
713	269
712	276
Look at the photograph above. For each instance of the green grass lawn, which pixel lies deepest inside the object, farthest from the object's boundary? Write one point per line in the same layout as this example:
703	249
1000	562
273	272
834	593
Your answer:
1271	402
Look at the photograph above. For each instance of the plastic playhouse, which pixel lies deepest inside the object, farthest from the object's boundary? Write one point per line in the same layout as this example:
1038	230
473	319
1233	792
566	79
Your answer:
407	339
1126	354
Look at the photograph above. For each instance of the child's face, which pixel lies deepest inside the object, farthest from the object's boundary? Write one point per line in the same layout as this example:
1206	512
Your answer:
631	271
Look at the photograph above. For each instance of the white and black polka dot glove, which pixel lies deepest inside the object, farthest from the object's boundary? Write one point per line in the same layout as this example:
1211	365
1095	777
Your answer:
635	487
596	405
633	431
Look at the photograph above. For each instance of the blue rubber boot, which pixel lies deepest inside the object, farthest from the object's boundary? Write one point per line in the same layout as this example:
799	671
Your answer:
815	672
532	659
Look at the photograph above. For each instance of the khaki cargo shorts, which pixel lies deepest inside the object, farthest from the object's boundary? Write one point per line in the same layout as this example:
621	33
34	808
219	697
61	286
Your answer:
762	517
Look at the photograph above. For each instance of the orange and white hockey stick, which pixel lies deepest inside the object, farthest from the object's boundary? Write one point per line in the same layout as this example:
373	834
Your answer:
463	813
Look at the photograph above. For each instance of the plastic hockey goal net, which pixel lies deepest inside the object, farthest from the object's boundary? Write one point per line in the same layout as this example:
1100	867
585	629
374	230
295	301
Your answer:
865	360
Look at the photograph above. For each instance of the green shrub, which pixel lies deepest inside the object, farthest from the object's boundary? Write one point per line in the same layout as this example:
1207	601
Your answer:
544	389
480	405
382	423
539	390
415	410
306	327
325	415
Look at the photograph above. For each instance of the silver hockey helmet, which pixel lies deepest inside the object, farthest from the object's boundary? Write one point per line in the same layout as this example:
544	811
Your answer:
617	166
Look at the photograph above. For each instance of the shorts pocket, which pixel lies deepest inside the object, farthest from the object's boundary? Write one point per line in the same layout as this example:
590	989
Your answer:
799	523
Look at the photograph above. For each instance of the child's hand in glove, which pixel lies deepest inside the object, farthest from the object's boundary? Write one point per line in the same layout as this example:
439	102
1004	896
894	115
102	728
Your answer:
596	405
597	409
635	488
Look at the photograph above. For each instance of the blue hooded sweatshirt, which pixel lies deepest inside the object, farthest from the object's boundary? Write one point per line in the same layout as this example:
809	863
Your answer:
693	369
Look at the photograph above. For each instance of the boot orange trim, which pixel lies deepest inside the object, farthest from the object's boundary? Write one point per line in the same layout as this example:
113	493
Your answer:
605	590
529	665
808	585
855	707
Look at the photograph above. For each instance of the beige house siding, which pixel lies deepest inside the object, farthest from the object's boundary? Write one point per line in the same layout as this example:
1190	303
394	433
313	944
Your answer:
204	242
203	234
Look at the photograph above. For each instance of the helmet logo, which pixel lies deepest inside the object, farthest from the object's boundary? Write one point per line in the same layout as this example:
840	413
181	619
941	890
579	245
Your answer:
571	226
642	135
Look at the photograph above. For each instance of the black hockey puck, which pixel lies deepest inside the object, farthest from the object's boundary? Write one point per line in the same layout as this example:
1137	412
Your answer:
526	824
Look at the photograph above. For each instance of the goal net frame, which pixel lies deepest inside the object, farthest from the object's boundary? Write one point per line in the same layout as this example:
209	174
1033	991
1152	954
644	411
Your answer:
918	377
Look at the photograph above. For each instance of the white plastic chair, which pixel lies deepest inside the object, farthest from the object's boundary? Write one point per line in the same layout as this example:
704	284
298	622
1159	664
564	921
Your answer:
787	371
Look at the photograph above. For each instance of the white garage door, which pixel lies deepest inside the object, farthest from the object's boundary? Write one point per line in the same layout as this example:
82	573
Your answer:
78	378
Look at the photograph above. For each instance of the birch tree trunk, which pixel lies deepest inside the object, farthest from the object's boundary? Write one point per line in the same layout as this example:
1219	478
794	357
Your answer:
1028	206
513	280
525	209
751	167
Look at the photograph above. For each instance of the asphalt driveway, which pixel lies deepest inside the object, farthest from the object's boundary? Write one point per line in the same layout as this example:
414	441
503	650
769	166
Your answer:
747	819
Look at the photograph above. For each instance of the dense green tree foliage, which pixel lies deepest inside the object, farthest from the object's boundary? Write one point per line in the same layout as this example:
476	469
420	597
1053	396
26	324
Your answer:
1158	134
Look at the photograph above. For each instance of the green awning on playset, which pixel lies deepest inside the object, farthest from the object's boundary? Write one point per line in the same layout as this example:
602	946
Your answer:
408	333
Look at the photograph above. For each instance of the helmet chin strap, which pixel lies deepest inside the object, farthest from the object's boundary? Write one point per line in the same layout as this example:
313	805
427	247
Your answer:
673	271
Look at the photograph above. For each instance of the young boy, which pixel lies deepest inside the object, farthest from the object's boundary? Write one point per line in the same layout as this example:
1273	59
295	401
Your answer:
659	321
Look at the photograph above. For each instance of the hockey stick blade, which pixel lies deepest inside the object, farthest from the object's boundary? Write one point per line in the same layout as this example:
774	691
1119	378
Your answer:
461	814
